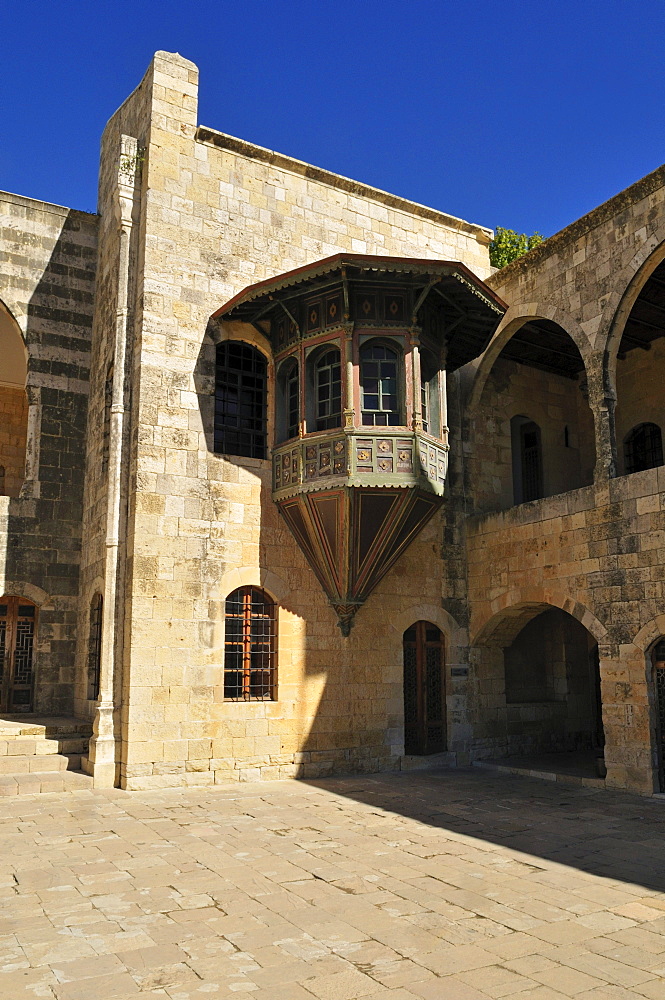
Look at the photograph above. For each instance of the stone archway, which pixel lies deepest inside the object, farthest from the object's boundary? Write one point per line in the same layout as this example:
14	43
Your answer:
536	672
534	378
635	363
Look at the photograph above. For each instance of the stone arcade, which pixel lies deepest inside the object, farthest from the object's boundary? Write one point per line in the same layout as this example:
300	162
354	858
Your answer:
251	401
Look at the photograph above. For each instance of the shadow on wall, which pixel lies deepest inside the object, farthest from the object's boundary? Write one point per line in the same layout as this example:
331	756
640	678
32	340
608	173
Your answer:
593	831
532	429
42	539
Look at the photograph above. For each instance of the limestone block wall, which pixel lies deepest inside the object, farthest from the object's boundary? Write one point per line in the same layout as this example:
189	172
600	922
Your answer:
47	283
13	430
596	553
639	386
560	409
215	215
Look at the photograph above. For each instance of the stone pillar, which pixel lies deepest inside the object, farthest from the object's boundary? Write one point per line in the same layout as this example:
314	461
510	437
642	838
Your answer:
602	400
30	486
102	756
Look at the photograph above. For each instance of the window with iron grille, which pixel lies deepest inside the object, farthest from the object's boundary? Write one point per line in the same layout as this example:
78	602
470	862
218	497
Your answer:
328	390
379	369
94	646
250	662
643	448
240	400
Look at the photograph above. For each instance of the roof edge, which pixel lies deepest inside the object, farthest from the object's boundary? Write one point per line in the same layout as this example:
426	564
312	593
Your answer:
26	199
482	234
339	260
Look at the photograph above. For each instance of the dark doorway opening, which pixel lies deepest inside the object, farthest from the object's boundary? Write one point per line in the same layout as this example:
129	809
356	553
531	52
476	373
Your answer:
17	637
424	690
658	660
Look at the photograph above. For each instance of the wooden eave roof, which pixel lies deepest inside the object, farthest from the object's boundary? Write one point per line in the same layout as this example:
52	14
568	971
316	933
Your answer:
456	285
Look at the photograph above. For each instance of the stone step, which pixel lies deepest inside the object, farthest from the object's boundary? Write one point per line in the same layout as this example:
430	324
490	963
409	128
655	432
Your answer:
40	762
44	781
14	727
544	773
426	763
26	746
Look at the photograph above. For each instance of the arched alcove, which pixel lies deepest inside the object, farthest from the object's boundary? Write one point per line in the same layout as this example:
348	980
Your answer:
13	405
541	665
532	425
640	372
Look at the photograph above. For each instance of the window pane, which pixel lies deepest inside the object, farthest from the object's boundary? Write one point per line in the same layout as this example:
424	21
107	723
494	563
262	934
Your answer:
240	400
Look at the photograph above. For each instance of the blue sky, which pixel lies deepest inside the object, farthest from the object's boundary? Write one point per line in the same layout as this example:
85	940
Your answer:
524	115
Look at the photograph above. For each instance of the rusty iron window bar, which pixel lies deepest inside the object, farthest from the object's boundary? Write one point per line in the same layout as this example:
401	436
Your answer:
250	660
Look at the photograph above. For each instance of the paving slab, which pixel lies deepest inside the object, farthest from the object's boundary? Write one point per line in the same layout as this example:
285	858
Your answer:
438	885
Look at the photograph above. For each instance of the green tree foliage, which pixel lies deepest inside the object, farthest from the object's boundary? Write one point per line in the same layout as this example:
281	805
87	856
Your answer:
508	245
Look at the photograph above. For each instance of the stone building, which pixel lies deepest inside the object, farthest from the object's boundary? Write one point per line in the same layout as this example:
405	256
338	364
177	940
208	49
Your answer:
293	484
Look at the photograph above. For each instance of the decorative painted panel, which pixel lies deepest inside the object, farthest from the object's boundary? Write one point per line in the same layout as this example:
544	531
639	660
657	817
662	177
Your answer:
366	458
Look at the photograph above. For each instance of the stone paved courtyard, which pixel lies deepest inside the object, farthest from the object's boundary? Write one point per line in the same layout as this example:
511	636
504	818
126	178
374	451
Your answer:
431	885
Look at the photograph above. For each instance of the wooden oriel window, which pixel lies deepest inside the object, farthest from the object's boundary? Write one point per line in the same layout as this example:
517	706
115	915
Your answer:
240	400
328	390
95	646
250	661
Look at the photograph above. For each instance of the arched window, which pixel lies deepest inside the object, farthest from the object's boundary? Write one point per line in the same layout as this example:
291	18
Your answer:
379	397
240	400
288	387
328	390
250	661
94	646
643	448
527	460
430	403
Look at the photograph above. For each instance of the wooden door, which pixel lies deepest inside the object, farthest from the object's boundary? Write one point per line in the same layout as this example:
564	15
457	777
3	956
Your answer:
18	618
424	690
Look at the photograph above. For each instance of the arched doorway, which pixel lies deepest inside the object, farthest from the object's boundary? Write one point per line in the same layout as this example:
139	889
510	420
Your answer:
424	690
640	409
13	405
532	427
658	688
18	620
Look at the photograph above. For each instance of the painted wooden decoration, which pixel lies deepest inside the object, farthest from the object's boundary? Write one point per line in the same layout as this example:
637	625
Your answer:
352	536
